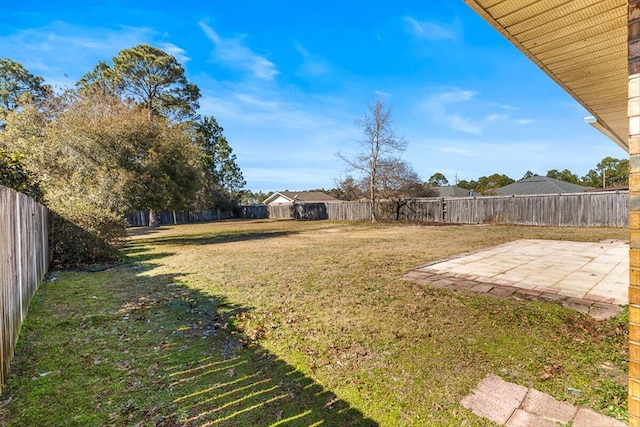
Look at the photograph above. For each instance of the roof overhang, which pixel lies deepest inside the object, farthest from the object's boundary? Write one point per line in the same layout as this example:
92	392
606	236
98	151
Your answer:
275	196
580	44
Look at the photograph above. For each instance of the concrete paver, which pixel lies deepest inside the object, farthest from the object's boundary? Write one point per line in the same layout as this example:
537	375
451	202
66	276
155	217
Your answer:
543	405
513	405
522	418
488	406
588	418
575	274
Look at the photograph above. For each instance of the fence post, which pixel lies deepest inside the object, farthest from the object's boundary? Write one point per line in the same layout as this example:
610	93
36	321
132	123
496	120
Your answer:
443	209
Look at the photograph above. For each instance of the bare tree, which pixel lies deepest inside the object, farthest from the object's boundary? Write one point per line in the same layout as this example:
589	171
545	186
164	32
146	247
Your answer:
397	182
381	140
350	189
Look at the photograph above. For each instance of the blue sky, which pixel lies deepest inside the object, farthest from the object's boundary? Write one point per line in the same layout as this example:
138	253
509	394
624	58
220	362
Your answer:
287	79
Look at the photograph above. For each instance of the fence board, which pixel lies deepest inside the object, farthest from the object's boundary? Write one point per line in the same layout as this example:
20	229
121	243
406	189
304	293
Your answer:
24	260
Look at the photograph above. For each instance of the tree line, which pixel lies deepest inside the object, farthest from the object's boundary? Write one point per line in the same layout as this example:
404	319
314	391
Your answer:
609	172
126	137
400	181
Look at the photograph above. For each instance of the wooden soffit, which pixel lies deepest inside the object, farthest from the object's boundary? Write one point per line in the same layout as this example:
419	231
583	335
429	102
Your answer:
581	44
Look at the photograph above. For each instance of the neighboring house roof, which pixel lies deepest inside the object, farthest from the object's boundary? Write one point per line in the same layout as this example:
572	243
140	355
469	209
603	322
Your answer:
452	191
540	185
299	197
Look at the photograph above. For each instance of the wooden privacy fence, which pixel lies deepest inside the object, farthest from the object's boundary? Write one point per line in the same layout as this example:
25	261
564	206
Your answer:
590	209
609	209
24	260
141	218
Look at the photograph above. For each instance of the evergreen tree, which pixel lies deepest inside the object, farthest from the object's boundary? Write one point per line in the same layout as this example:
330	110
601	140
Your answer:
223	178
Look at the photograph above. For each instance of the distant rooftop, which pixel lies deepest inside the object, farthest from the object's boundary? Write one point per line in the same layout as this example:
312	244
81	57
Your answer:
301	197
452	191
540	185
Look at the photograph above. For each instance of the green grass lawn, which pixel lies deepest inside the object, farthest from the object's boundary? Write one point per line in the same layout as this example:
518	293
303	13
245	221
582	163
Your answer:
267	323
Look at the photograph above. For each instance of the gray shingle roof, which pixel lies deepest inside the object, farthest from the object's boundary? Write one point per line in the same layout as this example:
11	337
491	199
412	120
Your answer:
452	191
540	185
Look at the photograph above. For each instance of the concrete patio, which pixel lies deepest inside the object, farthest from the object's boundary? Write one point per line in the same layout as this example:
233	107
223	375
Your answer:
590	277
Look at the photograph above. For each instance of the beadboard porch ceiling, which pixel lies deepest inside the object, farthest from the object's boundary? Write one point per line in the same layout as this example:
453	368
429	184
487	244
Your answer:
581	44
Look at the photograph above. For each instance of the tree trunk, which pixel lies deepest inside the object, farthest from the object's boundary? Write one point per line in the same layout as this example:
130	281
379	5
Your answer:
153	219
399	205
175	220
372	186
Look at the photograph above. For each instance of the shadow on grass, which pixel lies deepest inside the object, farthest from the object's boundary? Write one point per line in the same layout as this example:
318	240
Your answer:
142	231
217	238
216	376
122	347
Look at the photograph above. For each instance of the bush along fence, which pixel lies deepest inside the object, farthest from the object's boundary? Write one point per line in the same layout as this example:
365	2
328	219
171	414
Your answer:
592	209
24	260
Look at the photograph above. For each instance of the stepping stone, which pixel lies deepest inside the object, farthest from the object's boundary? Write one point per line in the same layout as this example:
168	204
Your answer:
513	405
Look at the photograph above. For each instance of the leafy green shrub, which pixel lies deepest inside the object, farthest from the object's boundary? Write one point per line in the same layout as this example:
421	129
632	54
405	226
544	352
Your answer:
82	234
14	175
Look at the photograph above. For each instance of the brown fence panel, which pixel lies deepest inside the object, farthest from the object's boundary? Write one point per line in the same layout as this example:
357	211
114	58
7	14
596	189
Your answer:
603	209
251	211
24	260
284	211
349	211
424	210
310	211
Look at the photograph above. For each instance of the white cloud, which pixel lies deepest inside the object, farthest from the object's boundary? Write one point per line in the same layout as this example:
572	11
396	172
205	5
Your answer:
459	150
462	110
256	102
382	94
455	95
431	30
252	106
175	51
235	54
59	49
496	117
62	52
312	65
438	108
463	125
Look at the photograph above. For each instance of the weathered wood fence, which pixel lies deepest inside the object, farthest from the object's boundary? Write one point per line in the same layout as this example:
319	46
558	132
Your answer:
580	209
609	209
24	260
141	218
590	209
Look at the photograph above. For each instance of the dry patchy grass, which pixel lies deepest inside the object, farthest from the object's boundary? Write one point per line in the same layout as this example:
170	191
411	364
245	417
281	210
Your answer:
322	307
